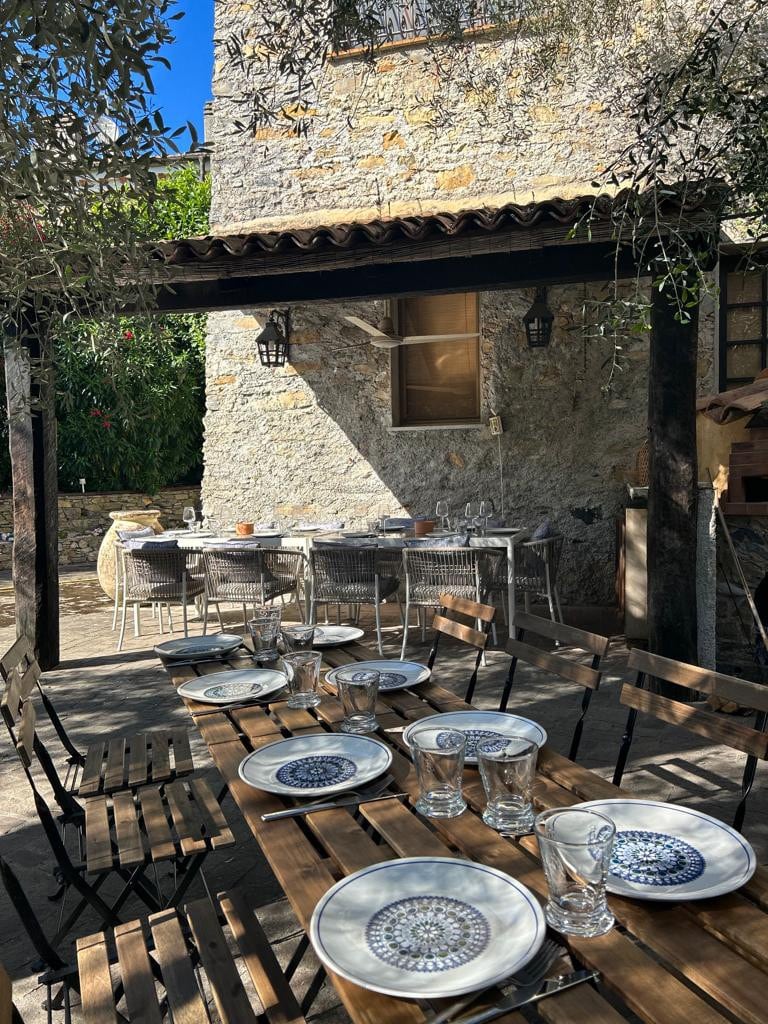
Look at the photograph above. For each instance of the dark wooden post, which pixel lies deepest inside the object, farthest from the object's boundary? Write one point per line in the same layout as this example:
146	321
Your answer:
672	495
32	442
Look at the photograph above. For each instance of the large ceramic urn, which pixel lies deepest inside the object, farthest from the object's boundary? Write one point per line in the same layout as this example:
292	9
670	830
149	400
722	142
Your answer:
139	519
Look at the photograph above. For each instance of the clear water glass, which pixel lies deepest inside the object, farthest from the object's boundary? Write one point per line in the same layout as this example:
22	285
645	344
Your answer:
298	638
508	773
264	628
358	691
302	670
438	757
575	846
189	516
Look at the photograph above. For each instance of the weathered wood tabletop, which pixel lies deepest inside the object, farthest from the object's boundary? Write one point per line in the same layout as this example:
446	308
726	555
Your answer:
688	963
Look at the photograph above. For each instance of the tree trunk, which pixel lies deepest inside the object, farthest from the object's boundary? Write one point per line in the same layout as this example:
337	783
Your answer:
672	495
32	443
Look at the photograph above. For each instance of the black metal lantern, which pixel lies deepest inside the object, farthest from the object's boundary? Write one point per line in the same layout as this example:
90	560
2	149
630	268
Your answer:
272	343
538	321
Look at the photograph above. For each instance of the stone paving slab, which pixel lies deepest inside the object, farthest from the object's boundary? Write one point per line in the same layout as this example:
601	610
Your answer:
100	693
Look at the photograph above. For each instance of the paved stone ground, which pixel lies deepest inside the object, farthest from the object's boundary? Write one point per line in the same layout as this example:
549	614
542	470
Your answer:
100	693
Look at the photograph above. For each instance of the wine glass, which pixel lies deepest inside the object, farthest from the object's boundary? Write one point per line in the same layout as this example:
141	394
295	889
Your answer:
472	512
441	511
486	511
189	516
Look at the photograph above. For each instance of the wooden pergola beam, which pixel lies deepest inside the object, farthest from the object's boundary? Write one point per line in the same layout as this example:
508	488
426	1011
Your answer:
32	443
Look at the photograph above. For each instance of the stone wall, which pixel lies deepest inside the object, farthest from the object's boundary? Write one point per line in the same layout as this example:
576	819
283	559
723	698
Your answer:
314	439
84	519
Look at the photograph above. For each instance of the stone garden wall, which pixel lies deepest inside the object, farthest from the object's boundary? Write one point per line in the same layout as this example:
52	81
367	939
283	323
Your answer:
737	641
84	519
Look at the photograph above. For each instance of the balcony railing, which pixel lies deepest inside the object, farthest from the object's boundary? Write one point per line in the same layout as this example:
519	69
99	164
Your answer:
375	22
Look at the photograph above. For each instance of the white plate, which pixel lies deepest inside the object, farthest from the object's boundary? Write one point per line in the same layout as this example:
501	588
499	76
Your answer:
666	852
332	636
427	927
240	684
395	675
200	646
316	765
480	726
266	533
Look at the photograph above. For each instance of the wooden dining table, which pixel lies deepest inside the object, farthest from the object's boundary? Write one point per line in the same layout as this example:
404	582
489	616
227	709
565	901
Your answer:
663	963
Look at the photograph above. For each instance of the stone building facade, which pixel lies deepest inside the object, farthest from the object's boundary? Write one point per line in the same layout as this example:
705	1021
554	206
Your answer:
316	438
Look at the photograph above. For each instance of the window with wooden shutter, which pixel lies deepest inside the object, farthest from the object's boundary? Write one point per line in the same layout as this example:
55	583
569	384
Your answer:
744	327
437	383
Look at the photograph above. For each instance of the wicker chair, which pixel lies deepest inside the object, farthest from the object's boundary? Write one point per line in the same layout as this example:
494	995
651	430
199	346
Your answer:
250	576
536	565
155	575
460	572
353	576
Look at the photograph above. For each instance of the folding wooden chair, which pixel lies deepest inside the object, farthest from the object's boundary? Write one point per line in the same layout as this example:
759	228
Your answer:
55	970
750	740
124	833
448	622
8	1012
107	766
556	663
196	955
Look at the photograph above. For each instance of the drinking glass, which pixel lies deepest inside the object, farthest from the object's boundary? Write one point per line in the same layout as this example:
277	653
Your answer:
575	845
189	516
486	511
508	773
472	512
298	637
264	628
302	670
438	757
441	511
358	691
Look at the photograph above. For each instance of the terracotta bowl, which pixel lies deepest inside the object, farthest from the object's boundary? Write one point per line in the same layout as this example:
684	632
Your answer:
243	529
422	527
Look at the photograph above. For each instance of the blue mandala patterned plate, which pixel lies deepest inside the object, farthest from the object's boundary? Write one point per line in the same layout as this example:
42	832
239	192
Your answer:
394	675
666	852
316	765
479	726
427	927
234	684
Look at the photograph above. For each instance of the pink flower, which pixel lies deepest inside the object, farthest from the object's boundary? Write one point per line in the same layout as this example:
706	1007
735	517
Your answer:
128	335
96	412
106	424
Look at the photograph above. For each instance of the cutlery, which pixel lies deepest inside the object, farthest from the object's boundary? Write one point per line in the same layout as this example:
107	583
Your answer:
297	812
530	994
372	791
532	973
255	703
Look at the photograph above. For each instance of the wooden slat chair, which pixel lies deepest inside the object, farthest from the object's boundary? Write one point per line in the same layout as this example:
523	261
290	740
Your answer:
448	622
124	833
195	954
56	971
555	662
750	740
108	765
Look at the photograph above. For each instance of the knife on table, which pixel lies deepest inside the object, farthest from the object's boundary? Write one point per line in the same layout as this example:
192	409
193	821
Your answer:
530	994
353	801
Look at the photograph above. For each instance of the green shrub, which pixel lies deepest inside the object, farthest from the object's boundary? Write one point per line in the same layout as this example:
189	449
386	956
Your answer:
131	392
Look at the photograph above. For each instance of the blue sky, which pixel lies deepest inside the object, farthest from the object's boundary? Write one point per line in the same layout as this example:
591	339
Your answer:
182	91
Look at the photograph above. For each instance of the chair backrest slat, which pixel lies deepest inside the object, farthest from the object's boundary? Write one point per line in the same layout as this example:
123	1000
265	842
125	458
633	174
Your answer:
11	702
459	631
741	691
19	656
472	609
25	738
713	727
6	997
559	632
556	664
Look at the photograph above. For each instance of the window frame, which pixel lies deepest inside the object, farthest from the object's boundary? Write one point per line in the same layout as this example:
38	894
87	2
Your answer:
397	383
730	265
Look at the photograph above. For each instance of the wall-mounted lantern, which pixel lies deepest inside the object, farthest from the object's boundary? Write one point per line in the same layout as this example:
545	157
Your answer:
272	342
538	321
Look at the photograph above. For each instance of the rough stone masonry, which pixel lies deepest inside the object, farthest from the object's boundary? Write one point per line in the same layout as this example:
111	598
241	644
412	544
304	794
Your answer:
315	439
